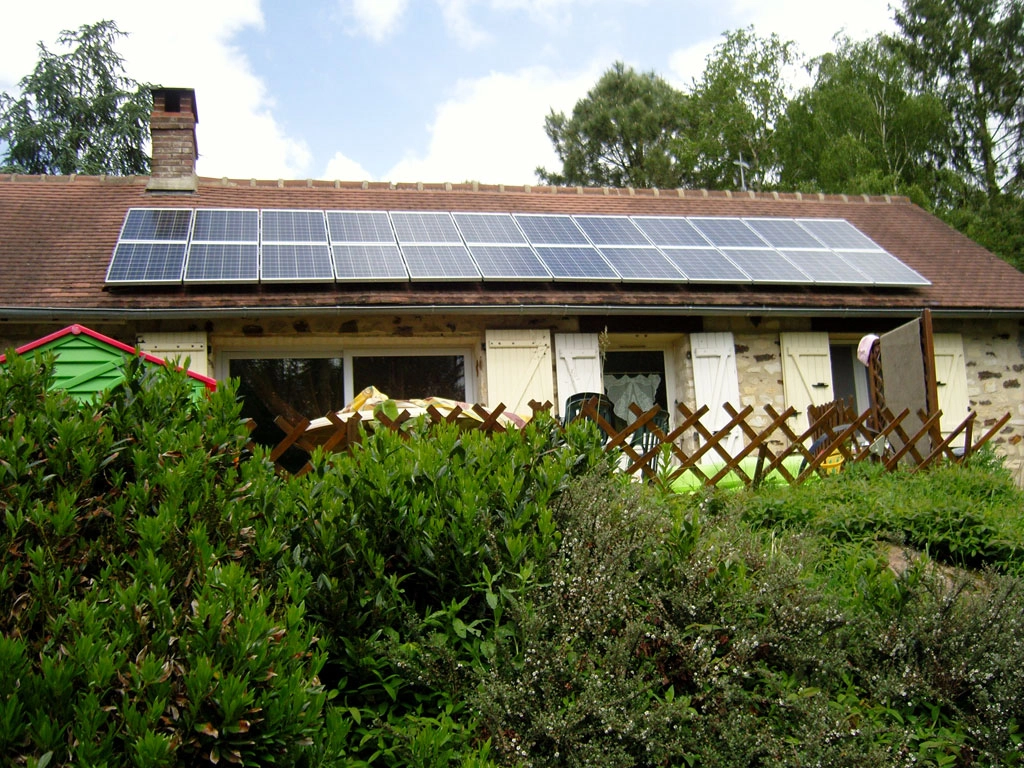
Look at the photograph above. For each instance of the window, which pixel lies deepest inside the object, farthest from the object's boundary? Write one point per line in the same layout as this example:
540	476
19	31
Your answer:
407	376
311	383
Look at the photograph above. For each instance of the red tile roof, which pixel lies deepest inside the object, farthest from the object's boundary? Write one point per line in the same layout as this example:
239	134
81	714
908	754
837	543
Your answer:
57	235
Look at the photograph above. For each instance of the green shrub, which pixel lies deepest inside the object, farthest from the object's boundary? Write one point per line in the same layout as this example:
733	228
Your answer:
574	680
970	515
133	629
443	598
398	537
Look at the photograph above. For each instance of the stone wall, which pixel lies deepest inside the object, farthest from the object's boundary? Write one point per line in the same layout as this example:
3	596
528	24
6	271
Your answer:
994	356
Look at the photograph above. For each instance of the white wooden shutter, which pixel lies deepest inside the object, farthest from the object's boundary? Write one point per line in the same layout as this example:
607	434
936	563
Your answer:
578	365
715	381
951	378
175	347
806	373
519	369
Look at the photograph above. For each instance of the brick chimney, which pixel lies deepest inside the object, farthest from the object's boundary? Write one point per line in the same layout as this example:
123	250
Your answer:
173	128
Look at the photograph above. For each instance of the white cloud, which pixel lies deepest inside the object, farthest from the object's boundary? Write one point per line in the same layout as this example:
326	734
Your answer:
545	13
492	131
686	65
347	169
460	25
811	24
375	18
237	134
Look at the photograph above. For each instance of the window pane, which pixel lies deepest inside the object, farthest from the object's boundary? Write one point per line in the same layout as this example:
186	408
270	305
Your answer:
412	377
289	387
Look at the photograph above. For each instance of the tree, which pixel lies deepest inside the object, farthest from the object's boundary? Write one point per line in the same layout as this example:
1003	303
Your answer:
77	111
737	104
626	132
862	126
971	53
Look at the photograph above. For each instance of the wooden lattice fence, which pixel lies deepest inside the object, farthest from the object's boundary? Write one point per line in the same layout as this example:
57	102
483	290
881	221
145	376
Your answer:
835	436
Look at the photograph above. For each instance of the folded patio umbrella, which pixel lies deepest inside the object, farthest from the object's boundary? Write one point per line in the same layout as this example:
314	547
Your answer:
371	402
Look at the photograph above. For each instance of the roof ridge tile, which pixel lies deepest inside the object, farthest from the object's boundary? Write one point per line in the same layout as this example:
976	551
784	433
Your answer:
478	188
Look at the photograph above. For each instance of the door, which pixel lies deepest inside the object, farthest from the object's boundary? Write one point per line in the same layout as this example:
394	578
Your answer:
578	365
715	382
806	373
519	369
951	381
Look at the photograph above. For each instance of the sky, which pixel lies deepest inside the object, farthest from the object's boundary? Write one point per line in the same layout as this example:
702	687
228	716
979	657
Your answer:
407	90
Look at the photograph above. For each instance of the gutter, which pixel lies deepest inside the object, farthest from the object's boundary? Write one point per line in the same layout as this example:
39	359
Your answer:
69	314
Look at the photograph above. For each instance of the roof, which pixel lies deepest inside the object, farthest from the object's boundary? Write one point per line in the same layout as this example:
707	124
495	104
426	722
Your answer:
57	234
88	362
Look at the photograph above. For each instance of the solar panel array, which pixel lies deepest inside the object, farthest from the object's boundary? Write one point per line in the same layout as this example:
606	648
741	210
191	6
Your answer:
174	245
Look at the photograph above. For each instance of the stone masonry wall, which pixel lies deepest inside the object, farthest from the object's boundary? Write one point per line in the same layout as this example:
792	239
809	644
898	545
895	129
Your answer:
994	356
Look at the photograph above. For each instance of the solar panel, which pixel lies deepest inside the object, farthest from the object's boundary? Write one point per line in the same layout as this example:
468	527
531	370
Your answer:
439	262
224	247
429	227
838	234
375	261
826	268
783	233
152	246
157	224
218	225
727	232
705	265
489	228
545	229
611	230
641	264
884	269
670	231
360	227
765	265
147	263
222	263
576	263
509	262
296	262
294	227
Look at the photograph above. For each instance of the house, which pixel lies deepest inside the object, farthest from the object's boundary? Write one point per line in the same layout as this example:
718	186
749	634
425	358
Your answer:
308	291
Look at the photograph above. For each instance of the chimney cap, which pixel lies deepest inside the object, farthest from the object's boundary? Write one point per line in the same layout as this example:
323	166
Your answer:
168	95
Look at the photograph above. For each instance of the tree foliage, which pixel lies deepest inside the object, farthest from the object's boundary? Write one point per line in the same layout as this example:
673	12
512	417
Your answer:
737	104
77	111
970	53
862	127
637	130
624	133
934	112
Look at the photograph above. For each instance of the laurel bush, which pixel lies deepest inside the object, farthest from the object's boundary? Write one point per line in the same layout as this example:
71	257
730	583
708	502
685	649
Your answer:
145	618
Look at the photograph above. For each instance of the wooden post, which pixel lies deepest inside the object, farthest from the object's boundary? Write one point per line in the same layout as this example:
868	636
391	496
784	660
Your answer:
931	385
